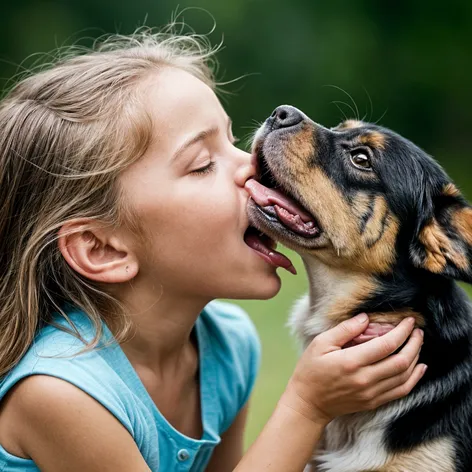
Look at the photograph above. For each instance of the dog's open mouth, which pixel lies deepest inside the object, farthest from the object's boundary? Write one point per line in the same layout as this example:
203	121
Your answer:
281	213
278	205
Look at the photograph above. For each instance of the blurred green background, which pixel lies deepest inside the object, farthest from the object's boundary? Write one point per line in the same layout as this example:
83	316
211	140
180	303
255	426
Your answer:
405	63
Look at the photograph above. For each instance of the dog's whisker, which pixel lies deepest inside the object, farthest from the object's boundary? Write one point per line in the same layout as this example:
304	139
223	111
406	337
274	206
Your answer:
249	138
371	104
349	106
355	110
344	116
383	114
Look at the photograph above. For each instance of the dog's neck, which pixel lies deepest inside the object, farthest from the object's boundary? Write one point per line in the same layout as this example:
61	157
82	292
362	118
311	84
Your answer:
444	310
336	294
331	287
333	295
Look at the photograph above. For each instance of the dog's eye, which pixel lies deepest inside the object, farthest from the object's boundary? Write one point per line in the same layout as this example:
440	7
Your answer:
361	160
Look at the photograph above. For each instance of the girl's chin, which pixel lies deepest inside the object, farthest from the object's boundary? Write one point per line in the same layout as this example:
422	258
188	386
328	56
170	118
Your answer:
263	287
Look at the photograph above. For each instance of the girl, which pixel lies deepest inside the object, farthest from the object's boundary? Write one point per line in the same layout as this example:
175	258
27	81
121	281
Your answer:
123	215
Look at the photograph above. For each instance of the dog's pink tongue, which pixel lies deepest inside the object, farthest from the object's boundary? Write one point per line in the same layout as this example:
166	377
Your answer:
265	196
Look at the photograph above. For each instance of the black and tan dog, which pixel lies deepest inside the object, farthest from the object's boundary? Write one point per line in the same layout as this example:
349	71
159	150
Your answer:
381	229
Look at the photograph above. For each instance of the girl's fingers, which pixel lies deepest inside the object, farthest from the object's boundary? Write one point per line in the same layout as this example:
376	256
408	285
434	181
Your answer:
335	338
392	382
359	340
400	362
382	347
401	390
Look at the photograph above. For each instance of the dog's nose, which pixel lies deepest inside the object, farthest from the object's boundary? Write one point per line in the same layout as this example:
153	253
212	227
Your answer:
285	116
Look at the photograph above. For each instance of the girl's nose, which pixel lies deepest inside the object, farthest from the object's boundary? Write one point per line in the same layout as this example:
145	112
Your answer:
246	168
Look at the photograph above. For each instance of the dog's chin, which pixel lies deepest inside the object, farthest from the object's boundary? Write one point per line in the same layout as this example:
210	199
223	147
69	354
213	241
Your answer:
265	219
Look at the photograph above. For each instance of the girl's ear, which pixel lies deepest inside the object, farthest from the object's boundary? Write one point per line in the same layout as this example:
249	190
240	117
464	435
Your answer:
443	243
95	254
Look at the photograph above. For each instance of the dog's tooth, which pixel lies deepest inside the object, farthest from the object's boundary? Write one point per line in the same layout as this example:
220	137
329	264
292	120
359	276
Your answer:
285	212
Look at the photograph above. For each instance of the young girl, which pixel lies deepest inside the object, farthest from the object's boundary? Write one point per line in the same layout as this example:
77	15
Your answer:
123	215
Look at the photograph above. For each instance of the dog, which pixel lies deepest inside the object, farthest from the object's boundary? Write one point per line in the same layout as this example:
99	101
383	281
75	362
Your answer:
381	229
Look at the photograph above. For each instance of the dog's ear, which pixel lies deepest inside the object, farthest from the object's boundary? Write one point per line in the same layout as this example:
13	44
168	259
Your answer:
443	240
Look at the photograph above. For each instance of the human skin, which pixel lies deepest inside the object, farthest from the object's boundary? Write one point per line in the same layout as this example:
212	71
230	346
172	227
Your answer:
194	252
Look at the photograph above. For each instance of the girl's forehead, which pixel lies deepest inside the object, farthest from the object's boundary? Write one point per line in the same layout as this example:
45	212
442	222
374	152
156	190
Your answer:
179	105
178	100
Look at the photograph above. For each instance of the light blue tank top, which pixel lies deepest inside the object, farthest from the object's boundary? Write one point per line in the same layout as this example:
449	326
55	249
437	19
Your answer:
229	354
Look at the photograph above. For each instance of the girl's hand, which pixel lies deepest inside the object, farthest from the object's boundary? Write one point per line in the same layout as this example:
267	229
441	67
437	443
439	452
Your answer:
330	381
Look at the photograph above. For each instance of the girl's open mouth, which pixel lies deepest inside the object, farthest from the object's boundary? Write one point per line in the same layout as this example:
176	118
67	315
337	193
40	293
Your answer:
265	247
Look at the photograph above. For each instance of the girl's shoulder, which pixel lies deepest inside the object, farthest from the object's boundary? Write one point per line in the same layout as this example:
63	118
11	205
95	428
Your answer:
56	351
103	373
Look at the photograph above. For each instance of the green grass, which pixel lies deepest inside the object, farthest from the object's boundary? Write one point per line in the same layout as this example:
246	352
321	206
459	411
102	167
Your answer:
279	349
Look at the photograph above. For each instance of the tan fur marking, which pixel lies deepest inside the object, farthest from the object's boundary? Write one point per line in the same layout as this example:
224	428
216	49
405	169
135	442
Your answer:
301	144
462	221
350	248
381	255
374	140
328	205
450	190
439	249
435	456
351	124
343	308
361	204
395	317
373	228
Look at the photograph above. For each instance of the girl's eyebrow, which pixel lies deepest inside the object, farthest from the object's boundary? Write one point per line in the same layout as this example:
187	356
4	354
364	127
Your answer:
198	137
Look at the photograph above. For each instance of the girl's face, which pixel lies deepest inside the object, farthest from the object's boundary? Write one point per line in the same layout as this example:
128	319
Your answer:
188	191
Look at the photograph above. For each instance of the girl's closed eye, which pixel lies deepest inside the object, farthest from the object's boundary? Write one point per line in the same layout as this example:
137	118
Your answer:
210	167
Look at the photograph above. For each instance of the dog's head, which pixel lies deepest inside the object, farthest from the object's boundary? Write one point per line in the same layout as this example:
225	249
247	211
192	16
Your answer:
358	195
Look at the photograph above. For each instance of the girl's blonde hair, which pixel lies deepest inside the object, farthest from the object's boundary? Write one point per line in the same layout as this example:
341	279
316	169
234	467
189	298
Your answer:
66	133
